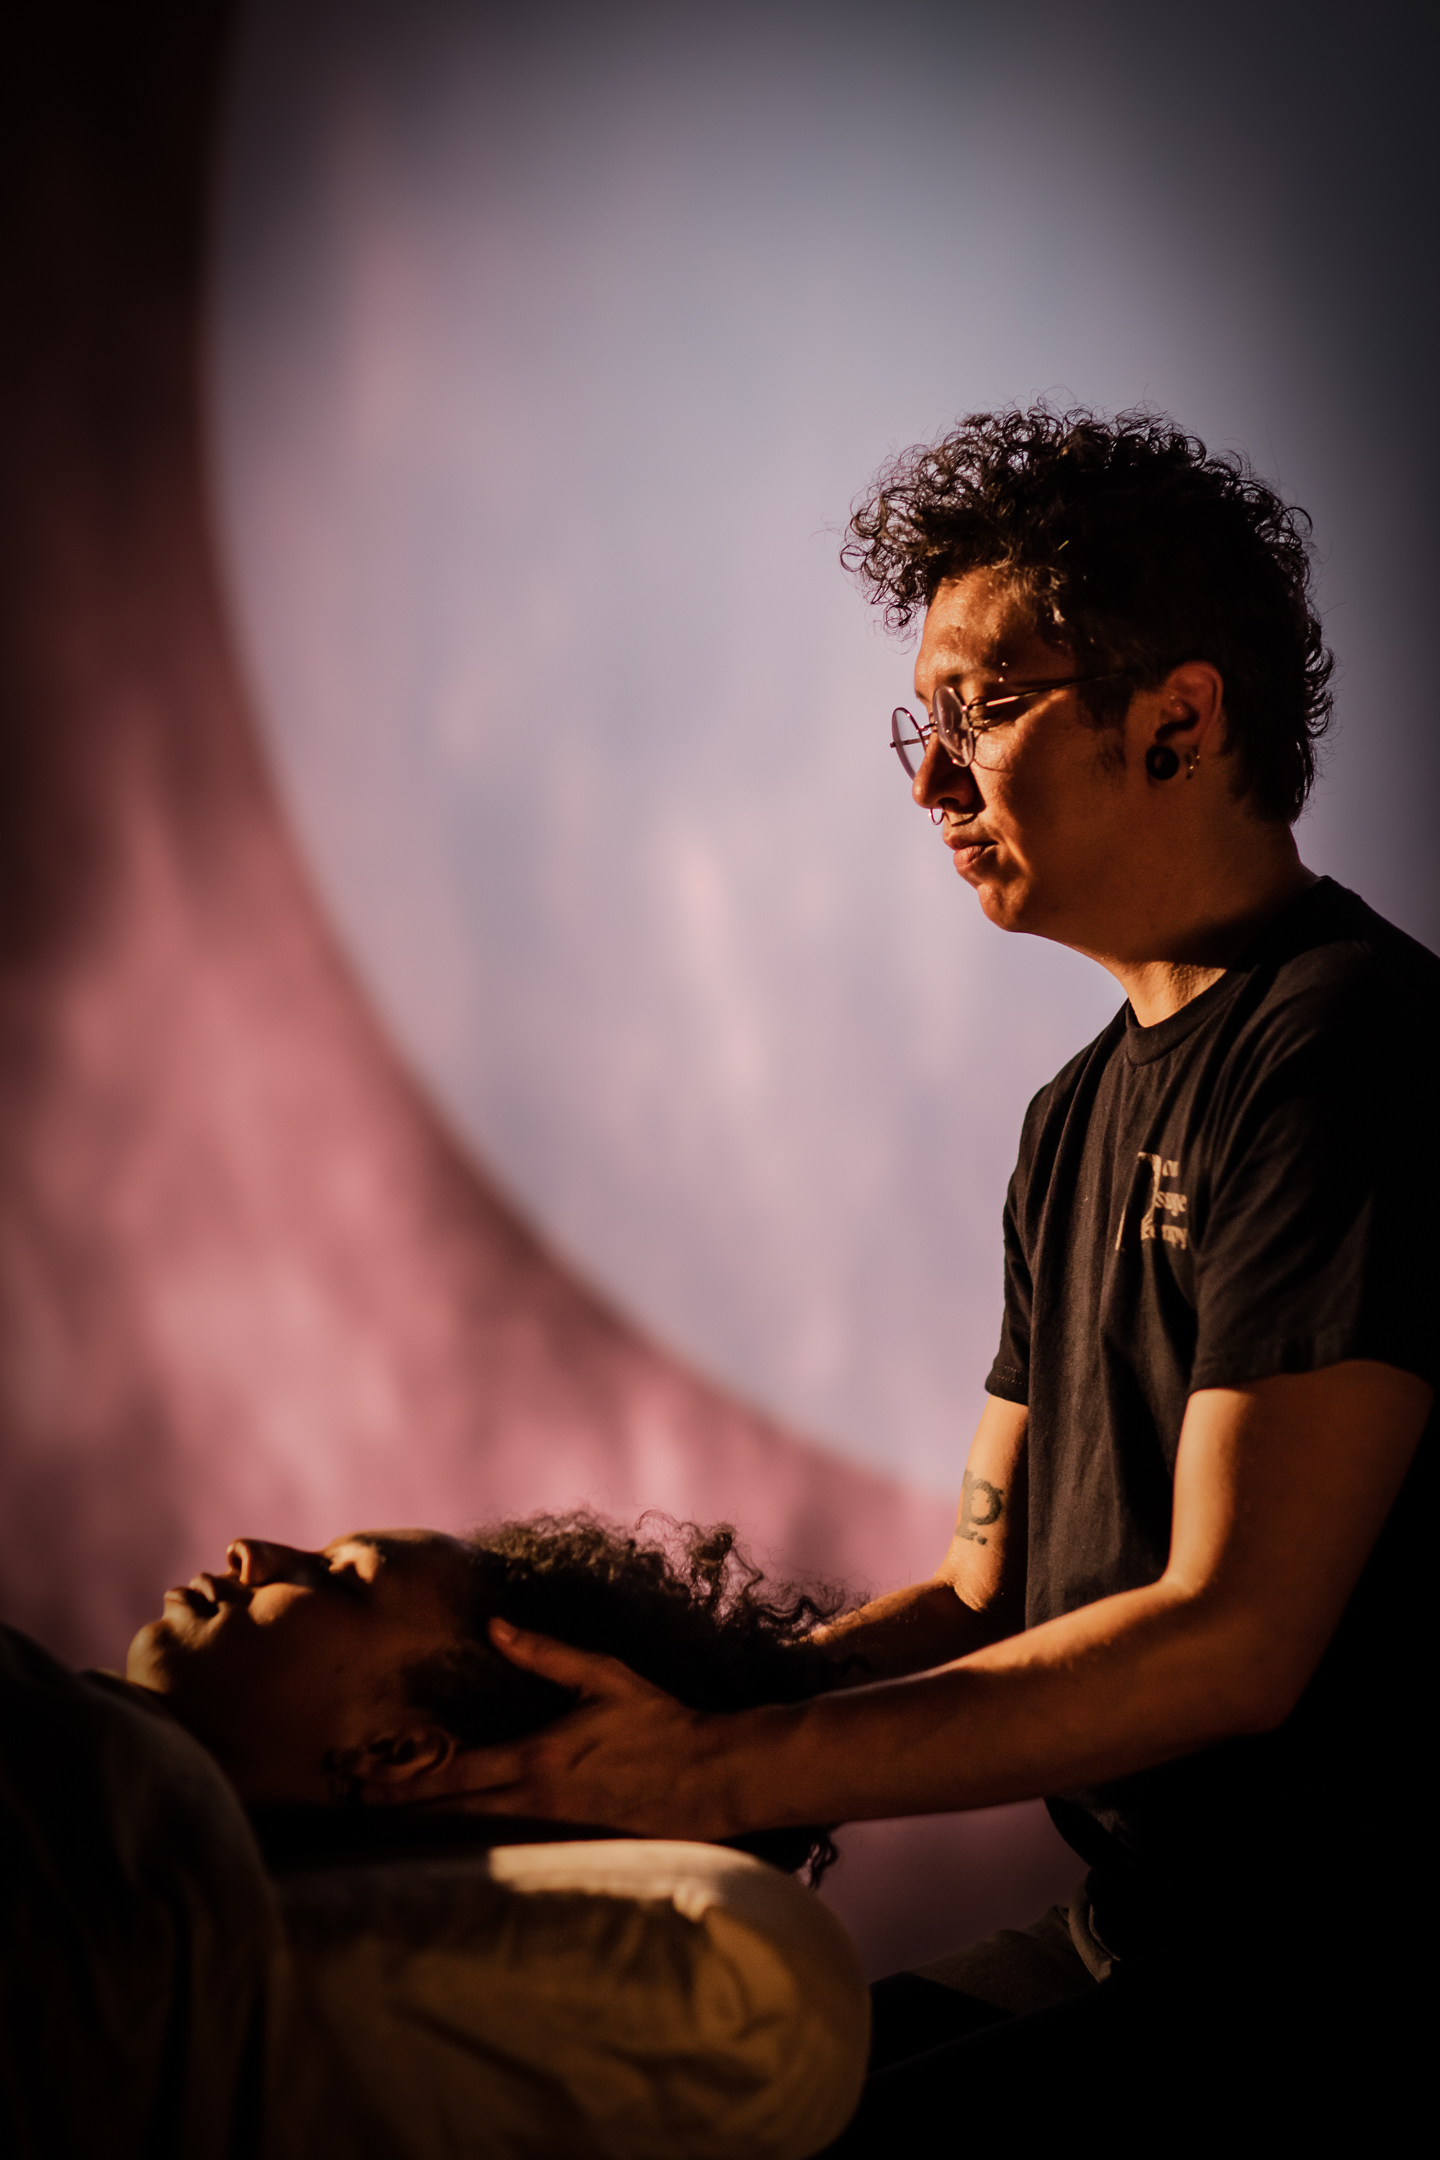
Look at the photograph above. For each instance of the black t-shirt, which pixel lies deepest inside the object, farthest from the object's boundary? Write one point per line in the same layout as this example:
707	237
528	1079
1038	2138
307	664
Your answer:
1244	1189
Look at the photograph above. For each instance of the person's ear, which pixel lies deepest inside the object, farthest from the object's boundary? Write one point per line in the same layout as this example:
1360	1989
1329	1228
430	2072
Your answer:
1191	717
399	1758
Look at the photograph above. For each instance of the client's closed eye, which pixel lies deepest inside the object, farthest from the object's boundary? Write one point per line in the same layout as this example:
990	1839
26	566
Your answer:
343	1575
351	1565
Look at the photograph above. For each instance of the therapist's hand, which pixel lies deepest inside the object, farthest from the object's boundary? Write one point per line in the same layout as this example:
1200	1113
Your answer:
627	1757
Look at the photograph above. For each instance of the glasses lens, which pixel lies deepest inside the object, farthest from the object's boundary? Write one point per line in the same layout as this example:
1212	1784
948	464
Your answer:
906	740
952	726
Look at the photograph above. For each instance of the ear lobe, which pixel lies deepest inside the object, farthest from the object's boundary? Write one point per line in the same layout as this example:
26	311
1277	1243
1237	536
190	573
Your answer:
401	1757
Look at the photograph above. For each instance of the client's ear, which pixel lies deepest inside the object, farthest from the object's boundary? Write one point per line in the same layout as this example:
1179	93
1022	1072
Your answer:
397	1759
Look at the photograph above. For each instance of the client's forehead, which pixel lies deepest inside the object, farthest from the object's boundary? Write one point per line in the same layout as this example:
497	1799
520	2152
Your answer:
415	1564
404	1547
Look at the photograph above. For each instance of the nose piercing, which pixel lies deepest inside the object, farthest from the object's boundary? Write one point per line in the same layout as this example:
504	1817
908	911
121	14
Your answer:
937	815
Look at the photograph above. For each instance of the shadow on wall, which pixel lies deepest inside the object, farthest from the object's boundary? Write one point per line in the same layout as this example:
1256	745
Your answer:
247	1278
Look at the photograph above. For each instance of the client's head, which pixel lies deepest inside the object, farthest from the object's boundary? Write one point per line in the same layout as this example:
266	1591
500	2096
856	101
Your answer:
292	1666
310	1674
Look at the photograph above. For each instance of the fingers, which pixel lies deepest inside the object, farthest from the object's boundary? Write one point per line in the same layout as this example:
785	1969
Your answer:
526	1777
611	1762
627	1755
472	1777
593	1675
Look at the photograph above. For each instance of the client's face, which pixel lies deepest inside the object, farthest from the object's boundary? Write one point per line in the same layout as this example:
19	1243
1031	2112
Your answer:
290	1666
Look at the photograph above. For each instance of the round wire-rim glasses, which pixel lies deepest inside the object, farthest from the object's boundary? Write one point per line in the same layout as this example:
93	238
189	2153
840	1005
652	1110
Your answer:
960	723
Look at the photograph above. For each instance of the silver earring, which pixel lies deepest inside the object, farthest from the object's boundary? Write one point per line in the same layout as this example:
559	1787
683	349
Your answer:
1192	759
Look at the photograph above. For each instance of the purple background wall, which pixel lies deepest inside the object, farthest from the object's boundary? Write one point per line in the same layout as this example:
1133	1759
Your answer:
547	357
538	362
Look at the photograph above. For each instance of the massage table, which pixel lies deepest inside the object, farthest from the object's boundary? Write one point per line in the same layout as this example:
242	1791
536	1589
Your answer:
168	1993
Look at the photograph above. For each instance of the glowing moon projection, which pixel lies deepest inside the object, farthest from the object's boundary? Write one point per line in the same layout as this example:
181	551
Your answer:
545	370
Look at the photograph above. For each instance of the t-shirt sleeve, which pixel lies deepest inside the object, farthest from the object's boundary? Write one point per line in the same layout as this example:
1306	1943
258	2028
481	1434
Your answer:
1009	1376
1313	1232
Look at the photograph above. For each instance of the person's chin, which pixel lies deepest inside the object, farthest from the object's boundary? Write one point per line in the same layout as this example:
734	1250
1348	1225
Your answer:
1001	898
166	1646
159	1657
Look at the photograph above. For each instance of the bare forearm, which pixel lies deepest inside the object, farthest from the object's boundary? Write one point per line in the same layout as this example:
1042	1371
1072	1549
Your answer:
977	1594
1281	1488
908	1631
1128	1682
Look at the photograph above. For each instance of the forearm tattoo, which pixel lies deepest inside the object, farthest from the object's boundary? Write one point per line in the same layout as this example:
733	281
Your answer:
981	1504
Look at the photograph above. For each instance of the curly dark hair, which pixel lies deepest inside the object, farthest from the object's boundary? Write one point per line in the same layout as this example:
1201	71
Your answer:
1137	549
682	1606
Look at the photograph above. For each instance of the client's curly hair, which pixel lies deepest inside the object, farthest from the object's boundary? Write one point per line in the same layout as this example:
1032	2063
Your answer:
1137	550
682	1606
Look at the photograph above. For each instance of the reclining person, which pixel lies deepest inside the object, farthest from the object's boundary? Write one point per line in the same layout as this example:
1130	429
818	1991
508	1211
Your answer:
326	1679
161	1994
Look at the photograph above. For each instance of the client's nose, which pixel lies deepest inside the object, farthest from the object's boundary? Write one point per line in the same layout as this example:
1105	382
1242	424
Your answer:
257	1561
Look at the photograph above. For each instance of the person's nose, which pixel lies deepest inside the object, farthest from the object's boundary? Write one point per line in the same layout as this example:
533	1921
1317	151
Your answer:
940	779
257	1561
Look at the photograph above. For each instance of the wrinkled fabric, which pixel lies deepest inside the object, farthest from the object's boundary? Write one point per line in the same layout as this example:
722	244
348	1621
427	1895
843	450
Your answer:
139	1927
621	2000
1242	1190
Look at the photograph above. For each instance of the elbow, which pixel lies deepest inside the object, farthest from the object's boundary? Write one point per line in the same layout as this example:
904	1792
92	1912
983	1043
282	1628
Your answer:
1261	1709
1247	1677
1259	1688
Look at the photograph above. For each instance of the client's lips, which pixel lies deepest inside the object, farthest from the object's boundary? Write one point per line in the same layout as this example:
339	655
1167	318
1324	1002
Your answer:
195	1600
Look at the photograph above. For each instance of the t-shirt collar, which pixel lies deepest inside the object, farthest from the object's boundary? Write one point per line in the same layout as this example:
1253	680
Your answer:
1144	1044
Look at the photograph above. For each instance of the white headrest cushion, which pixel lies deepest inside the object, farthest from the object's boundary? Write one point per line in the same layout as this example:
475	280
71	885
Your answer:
617	1998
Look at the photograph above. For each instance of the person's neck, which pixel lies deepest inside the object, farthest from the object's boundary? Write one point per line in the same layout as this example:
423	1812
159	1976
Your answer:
1223	914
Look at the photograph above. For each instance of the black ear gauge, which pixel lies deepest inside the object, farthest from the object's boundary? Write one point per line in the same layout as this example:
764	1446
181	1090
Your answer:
1161	762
